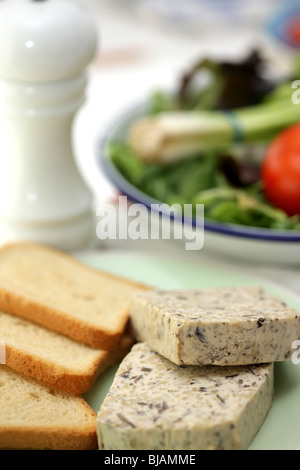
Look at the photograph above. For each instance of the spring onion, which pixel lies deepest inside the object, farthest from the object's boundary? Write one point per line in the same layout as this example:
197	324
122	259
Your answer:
170	136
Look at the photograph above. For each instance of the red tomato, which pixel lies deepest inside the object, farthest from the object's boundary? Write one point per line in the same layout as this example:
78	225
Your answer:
281	171
294	30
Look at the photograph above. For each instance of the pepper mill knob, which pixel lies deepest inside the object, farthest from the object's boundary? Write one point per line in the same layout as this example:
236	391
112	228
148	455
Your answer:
45	49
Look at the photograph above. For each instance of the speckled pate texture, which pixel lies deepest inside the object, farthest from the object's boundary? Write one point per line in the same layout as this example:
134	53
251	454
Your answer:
155	404
221	326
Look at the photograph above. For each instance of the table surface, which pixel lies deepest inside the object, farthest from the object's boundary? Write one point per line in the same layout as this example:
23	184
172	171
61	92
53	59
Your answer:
137	53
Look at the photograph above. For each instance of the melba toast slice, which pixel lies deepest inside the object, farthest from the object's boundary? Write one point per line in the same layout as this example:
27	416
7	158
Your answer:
55	359
34	416
55	290
221	326
154	404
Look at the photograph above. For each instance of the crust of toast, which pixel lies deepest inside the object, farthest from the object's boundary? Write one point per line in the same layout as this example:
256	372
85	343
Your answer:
61	378
79	329
74	328
39	439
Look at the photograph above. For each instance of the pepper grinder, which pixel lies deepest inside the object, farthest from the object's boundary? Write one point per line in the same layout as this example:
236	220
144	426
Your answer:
45	49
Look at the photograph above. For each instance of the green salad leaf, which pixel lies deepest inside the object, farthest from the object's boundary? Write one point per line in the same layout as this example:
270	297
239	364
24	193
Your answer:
226	181
201	180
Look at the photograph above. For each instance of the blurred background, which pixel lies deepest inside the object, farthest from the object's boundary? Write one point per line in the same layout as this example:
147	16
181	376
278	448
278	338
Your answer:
149	44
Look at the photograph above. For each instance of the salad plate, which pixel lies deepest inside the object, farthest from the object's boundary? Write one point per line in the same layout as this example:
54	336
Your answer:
254	244
280	430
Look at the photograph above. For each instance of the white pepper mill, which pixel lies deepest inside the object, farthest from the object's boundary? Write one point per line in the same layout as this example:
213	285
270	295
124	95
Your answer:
45	49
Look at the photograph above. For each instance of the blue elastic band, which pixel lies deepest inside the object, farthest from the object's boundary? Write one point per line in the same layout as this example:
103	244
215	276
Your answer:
238	132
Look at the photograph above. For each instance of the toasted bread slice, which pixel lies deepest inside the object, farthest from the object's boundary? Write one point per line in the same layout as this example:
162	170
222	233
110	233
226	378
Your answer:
55	359
34	416
55	290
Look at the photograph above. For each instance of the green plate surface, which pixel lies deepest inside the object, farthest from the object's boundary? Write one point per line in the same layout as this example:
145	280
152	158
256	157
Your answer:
281	430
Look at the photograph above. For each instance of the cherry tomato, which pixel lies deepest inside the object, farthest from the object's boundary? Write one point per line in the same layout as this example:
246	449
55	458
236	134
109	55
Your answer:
293	30
281	171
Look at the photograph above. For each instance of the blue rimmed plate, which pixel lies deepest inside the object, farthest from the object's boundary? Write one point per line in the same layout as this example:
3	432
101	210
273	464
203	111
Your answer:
249	243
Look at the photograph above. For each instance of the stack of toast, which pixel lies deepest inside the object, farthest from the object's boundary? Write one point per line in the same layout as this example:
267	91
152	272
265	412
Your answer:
197	366
61	325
